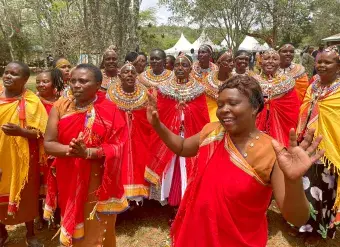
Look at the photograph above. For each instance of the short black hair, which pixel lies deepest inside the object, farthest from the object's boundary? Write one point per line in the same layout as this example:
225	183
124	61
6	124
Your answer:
131	56
24	67
143	54
172	58
240	52
160	51
249	87
95	70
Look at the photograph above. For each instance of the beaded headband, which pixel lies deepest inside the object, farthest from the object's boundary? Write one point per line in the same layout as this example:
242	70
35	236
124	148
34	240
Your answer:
129	65
184	56
62	62
271	51
286	46
227	53
111	48
206	46
333	49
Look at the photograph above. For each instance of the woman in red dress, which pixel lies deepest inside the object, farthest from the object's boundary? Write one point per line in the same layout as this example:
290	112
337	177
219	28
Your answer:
183	109
238	168
281	111
130	97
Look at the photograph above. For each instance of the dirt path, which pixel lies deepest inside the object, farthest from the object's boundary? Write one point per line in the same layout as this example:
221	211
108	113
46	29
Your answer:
148	227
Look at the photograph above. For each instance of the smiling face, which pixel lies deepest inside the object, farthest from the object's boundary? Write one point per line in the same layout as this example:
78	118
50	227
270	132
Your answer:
14	79
226	63
140	64
328	66
83	85
110	61
270	63
286	55
234	111
242	63
182	68
44	85
127	76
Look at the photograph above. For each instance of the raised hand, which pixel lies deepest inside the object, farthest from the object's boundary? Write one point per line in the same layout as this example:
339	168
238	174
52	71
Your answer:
151	112
296	160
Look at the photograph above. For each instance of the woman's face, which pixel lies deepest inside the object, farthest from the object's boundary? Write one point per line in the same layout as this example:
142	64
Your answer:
182	68
44	85
226	64
327	66
169	64
127	76
157	62
140	63
83	84
65	68
13	78
110	61
270	63
287	54
242	62
234	111
204	55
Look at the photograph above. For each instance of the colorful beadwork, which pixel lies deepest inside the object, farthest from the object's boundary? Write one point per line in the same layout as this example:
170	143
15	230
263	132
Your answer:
275	86
322	92
182	92
107	80
294	70
199	72
212	84
127	101
149	79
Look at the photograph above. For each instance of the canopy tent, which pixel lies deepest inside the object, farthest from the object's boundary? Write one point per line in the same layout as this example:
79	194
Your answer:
252	45
225	42
335	37
202	39
182	45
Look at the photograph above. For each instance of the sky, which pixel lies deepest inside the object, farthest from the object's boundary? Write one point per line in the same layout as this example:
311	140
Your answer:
162	13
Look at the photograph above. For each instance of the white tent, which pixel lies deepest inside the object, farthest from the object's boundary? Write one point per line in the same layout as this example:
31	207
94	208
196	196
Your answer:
182	45
225	42
335	37
250	44
204	39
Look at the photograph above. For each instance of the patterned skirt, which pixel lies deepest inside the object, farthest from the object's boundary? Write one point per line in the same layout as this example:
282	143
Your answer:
320	185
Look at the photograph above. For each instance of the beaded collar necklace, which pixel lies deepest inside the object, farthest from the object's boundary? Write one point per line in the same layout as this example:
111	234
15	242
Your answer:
212	84
127	101
275	86
294	70
107	80
234	73
182	92
85	107
149	79
199	72
320	92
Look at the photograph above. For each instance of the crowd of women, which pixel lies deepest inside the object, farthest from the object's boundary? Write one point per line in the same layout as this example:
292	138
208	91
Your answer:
213	140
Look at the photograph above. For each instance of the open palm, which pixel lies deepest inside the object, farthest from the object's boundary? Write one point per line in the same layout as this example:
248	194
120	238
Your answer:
297	159
152	113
